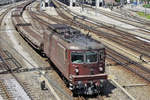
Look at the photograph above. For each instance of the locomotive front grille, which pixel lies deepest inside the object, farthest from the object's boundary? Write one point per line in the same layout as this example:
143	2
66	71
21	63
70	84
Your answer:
89	77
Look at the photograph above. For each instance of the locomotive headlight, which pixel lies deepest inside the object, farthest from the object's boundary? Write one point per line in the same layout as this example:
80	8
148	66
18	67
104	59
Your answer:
77	71
85	85
100	69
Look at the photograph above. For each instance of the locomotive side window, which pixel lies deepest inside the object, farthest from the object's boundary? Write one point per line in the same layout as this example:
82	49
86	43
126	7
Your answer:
102	54
77	57
91	57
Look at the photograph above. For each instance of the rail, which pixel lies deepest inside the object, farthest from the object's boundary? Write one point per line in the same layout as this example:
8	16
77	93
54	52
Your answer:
8	68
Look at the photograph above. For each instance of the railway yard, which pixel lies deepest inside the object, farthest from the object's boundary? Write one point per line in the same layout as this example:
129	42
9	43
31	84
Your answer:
27	60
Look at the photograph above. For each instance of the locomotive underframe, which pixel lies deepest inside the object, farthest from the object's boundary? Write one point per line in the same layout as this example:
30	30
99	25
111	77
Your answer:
88	84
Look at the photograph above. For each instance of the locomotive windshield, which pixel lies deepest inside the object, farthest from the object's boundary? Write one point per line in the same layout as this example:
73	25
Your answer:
91	57
84	57
77	57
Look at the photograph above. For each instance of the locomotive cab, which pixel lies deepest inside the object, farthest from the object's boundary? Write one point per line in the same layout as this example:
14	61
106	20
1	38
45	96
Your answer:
87	71
88	62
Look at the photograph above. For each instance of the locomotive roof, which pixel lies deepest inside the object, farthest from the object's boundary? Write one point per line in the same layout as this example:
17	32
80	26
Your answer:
74	38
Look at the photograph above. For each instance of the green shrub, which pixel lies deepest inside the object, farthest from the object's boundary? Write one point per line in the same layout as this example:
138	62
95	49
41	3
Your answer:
146	5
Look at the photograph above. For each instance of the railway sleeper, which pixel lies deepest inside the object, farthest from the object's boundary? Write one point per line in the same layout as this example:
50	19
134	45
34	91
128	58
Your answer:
10	57
18	70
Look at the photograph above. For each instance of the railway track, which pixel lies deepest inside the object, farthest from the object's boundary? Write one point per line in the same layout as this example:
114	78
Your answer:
126	15
5	94
137	23
131	41
129	14
7	66
122	35
128	64
128	19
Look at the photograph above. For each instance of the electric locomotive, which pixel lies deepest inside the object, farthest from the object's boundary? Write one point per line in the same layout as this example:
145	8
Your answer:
79	58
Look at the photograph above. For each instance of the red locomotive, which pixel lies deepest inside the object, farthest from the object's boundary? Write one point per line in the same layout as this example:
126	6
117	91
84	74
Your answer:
79	58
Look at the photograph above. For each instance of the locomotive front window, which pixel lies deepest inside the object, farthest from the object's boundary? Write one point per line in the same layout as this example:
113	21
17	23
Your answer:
77	57
91	57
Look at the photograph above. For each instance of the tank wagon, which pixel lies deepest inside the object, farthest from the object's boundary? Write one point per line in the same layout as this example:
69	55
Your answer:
78	58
